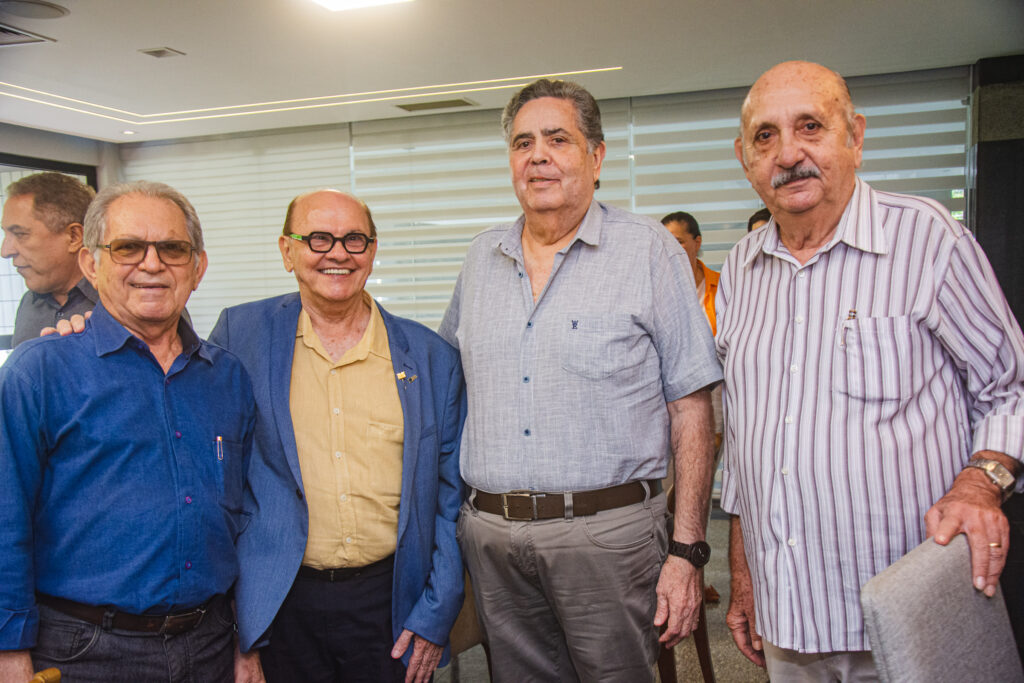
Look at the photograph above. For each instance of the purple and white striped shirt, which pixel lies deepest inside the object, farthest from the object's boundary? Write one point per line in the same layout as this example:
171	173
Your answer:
856	388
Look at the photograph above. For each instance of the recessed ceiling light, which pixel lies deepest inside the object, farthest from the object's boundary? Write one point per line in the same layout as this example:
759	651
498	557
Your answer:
128	132
339	5
33	9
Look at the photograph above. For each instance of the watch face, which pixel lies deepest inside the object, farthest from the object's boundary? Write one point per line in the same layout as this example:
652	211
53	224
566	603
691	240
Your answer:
697	553
700	553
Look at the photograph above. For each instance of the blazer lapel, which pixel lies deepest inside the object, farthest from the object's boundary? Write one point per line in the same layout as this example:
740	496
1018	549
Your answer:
409	388
285	319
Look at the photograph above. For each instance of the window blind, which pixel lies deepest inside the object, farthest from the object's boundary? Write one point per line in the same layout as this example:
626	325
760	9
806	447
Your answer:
434	181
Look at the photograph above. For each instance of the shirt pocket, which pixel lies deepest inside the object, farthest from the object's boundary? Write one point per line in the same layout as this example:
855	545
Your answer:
598	346
874	357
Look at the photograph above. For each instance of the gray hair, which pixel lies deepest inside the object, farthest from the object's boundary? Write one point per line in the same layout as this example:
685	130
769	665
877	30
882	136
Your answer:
58	200
96	216
588	115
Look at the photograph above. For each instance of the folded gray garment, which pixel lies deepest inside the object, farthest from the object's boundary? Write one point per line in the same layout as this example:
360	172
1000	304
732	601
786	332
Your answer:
926	622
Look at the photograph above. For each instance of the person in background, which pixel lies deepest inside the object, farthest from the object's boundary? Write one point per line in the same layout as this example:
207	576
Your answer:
758	219
42	224
686	230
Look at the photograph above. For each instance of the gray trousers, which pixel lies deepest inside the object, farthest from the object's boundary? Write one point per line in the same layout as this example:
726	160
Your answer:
790	666
568	600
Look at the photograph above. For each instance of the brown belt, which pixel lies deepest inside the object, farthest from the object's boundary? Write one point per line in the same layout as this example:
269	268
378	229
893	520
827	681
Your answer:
346	573
524	506
109	618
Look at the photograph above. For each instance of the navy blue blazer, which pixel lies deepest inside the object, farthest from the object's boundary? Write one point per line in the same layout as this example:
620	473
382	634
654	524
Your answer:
428	584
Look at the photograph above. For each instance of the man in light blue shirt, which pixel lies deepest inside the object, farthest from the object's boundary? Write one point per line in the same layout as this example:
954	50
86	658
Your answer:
588	364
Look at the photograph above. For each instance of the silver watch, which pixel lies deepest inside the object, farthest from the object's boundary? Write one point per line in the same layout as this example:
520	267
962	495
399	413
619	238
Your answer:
998	473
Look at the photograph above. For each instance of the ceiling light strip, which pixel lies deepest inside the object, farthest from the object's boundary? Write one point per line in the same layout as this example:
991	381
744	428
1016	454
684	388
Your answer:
320	98
325	105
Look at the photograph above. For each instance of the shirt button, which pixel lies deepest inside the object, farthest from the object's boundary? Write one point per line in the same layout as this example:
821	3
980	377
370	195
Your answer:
529	324
526	432
334	372
520	274
336	411
337	454
188	500
785	471
794	369
188	564
791	542
177	435
526	379
789	419
343	498
799	320
801	274
348	539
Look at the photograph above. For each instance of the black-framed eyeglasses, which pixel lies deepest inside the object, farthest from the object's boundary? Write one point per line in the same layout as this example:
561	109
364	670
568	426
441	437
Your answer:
323	242
128	252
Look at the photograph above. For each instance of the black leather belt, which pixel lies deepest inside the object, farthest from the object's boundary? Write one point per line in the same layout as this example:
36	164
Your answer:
525	506
109	618
346	573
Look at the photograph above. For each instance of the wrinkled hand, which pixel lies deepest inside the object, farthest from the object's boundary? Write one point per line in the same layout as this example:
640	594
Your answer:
680	591
972	507
425	656
75	325
247	667
740	619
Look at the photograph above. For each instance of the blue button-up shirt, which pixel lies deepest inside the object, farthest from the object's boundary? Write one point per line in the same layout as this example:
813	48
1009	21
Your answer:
568	393
119	485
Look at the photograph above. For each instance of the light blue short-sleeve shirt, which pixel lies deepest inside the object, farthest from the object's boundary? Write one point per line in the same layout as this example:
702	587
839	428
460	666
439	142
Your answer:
569	393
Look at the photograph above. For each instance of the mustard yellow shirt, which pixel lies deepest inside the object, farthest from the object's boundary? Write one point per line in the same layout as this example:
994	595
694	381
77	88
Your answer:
348	431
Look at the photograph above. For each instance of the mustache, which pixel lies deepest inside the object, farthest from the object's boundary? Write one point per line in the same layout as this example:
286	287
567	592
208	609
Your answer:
806	170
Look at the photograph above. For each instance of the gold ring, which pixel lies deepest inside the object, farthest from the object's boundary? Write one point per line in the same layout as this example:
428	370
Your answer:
995	545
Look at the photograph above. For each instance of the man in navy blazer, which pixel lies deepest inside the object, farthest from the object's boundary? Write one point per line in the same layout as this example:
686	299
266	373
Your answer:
314	621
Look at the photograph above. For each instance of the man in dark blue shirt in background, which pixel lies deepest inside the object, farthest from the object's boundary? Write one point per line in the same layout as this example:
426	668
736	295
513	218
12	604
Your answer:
123	457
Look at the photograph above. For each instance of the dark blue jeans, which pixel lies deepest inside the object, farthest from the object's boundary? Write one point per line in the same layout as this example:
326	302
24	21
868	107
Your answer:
85	652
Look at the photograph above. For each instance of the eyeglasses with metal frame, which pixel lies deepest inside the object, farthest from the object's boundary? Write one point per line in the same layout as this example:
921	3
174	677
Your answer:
129	252
323	242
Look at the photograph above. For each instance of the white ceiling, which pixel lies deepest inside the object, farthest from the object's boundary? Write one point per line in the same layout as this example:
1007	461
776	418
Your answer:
240	53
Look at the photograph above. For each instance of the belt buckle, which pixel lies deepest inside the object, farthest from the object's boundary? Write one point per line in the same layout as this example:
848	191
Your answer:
175	624
519	495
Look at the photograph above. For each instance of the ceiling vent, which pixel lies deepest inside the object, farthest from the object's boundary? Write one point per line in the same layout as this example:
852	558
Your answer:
438	104
16	36
162	52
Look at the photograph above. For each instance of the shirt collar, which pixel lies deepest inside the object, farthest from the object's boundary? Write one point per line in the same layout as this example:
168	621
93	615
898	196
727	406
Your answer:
111	335
374	340
858	228
85	289
589	232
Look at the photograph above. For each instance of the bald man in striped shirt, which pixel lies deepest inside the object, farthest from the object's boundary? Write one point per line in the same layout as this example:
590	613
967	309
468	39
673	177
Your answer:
874	385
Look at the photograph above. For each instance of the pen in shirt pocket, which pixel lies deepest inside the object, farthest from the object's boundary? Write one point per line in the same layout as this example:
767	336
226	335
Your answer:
220	447
847	324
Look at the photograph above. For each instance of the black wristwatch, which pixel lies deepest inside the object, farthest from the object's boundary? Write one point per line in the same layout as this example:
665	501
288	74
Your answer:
697	553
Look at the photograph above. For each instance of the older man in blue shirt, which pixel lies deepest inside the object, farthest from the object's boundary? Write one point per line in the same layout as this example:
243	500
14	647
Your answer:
122	484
